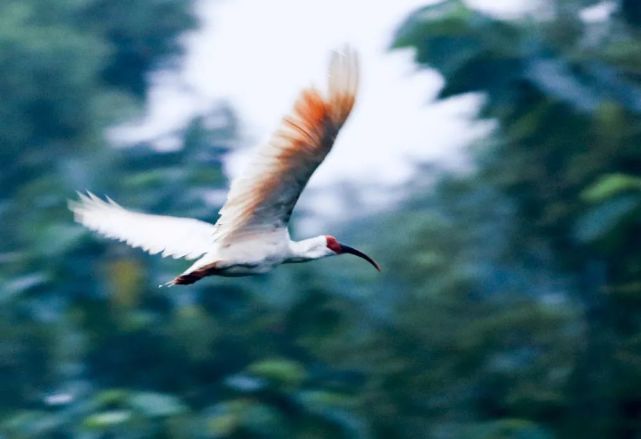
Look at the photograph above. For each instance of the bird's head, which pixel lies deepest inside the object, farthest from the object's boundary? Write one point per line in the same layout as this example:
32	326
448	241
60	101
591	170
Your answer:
337	248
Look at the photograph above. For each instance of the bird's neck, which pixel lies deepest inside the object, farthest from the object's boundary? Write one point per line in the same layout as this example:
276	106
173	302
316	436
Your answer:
308	249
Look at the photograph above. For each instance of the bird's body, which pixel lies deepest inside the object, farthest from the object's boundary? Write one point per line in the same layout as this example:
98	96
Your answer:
251	235
257	256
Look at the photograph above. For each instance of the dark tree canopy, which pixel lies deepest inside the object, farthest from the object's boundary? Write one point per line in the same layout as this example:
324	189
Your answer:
510	297
566	96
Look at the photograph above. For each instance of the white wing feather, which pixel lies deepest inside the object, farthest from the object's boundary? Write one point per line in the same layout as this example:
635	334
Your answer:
177	237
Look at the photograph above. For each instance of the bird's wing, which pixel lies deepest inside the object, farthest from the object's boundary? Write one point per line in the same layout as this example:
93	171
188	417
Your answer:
264	196
177	237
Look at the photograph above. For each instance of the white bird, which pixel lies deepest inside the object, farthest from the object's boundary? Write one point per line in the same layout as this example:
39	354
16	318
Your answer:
251	235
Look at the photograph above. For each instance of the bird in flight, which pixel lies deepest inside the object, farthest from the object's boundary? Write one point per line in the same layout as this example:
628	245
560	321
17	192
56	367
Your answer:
251	235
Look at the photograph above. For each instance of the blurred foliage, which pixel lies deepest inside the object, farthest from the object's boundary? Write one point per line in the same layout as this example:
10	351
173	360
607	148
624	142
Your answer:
509	302
564	158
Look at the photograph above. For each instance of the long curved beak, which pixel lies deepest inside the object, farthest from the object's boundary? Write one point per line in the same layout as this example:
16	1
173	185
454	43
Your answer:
360	254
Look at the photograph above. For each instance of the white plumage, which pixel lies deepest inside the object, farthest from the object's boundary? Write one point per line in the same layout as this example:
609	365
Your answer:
251	233
173	236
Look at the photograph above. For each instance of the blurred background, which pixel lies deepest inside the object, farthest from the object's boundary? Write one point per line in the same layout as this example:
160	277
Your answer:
492	165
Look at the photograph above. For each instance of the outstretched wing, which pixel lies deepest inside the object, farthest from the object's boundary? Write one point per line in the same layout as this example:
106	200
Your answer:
177	237
262	199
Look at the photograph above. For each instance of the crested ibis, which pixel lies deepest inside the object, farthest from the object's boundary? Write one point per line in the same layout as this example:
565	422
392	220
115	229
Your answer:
251	235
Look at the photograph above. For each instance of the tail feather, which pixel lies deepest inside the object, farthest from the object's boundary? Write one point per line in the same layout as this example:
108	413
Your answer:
183	279
191	277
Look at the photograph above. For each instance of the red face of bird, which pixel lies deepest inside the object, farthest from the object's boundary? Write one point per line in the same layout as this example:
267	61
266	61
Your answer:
339	249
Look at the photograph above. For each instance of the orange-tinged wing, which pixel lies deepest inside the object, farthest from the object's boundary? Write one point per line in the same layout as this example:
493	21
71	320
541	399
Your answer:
263	198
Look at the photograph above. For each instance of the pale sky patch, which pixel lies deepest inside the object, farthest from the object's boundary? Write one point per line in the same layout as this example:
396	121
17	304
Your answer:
258	55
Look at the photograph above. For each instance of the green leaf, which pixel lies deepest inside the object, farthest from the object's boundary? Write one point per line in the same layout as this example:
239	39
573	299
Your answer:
279	370
610	185
156	404
108	419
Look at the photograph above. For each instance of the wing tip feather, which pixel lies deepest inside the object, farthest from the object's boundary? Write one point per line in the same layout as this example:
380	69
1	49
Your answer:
343	81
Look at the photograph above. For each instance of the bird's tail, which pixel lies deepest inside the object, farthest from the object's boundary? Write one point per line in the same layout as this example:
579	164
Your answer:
183	279
190	277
